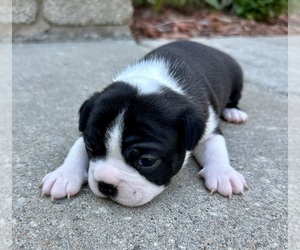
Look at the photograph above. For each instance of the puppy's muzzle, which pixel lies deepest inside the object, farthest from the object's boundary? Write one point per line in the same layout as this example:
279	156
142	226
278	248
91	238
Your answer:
107	189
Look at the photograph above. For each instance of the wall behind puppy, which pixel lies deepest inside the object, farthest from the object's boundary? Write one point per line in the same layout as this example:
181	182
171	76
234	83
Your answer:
52	20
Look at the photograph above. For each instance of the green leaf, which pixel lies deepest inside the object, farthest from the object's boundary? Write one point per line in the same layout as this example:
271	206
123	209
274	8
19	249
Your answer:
214	3
219	4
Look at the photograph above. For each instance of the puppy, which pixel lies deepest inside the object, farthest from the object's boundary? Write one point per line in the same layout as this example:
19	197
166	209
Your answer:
137	132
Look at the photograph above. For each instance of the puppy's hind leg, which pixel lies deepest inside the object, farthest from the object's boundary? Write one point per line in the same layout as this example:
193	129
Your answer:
234	115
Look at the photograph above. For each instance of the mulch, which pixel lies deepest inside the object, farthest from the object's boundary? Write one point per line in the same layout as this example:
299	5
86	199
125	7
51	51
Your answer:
175	24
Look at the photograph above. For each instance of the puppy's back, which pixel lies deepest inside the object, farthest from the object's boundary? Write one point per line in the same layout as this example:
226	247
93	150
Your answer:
202	70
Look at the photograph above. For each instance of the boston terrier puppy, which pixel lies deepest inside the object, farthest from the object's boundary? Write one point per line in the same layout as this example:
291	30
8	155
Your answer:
138	131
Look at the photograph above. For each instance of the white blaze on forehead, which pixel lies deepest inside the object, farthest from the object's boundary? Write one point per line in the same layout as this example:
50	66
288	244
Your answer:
149	76
114	137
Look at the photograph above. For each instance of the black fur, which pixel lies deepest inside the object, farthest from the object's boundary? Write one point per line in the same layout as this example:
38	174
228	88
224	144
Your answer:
207	75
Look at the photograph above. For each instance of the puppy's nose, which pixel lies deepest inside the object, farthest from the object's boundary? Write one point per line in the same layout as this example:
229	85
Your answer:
107	189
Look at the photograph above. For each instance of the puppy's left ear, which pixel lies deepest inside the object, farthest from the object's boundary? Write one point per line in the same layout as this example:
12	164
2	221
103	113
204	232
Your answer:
193	128
85	111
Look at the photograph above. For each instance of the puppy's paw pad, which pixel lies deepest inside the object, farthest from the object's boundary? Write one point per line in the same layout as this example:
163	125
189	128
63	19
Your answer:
224	180
62	183
234	115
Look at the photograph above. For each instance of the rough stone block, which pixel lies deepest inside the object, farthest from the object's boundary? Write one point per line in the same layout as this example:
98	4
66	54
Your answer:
39	28
5	11
88	12
24	11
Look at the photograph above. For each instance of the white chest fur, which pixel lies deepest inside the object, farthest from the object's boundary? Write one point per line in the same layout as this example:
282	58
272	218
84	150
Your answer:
149	76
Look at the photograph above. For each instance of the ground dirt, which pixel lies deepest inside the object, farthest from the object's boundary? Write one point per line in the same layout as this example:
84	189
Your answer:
177	24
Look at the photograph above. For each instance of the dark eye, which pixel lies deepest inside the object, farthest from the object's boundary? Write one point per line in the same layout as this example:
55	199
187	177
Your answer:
146	162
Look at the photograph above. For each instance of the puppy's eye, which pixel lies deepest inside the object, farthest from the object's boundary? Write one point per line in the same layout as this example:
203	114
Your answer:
146	162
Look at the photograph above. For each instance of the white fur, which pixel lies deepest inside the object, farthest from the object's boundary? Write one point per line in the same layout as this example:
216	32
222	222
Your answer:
133	188
114	138
68	178
211	123
234	115
149	76
218	174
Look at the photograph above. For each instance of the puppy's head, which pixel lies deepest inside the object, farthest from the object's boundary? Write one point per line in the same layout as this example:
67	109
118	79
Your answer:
135	142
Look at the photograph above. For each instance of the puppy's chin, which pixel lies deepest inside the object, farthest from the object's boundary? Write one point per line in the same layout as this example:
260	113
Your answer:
132	189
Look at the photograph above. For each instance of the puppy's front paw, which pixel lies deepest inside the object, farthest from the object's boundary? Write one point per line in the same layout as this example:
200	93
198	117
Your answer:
62	182
223	179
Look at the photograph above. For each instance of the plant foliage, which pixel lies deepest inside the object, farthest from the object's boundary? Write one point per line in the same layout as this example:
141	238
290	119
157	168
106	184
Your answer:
219	4
260	9
158	4
266	10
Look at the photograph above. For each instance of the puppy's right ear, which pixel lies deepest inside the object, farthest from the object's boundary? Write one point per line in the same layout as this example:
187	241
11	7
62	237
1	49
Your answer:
85	111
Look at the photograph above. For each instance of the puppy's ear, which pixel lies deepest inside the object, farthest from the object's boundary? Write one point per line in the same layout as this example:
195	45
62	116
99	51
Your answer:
193	128
85	111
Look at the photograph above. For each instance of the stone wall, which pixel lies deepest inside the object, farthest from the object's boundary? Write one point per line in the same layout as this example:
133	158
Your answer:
70	19
5	20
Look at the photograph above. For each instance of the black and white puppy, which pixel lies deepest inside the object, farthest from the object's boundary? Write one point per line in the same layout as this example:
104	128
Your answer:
137	132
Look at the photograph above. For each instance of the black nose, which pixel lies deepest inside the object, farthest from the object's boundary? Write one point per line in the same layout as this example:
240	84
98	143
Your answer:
107	189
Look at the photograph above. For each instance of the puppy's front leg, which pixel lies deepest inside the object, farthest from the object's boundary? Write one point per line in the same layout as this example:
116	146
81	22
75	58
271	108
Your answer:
218	174
68	178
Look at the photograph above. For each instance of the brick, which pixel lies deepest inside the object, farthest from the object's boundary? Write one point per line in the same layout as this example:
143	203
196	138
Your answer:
24	11
5	11
88	12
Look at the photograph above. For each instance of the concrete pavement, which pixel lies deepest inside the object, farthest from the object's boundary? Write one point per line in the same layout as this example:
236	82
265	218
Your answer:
294	143
50	81
5	145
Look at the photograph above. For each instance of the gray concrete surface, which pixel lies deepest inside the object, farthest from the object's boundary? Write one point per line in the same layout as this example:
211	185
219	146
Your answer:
5	145
294	143
50	81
